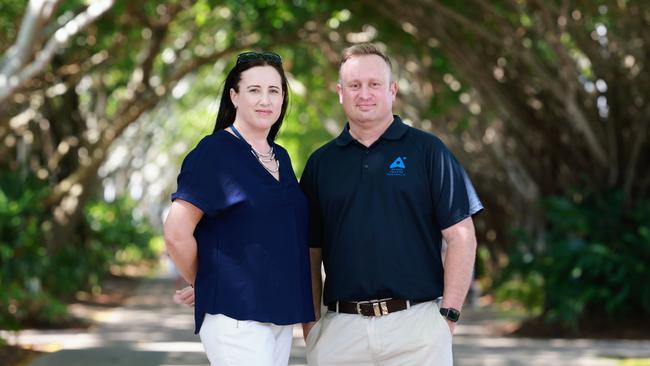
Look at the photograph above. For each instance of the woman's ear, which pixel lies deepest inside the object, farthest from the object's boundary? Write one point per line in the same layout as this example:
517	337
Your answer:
233	97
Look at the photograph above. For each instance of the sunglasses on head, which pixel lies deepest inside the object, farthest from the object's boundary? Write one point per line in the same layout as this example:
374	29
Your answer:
256	56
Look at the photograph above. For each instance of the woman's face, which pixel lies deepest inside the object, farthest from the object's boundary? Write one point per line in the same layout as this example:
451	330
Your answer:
260	97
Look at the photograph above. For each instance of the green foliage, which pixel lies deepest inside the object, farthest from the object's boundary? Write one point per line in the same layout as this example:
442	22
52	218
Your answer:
312	102
526	289
11	14
591	265
35	279
23	257
115	237
117	227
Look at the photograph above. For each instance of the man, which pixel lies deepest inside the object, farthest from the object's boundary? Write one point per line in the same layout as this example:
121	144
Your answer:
382	197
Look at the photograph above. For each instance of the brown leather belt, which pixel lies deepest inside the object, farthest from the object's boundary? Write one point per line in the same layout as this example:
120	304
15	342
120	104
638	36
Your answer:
373	307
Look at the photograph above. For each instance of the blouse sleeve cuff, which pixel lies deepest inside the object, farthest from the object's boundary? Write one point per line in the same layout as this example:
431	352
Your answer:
199	203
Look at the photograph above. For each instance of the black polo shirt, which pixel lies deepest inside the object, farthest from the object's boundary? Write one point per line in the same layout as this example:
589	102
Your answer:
377	213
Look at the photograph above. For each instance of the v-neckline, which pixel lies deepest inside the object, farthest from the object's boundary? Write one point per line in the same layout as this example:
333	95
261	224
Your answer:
245	144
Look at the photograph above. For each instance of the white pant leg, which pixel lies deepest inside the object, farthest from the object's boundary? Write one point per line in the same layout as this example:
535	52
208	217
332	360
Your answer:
231	342
283	335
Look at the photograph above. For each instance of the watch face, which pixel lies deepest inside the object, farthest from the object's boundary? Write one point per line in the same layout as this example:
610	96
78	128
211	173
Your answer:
453	314
450	313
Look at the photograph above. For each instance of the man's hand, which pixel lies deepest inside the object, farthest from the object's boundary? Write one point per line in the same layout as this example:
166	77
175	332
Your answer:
185	296
451	325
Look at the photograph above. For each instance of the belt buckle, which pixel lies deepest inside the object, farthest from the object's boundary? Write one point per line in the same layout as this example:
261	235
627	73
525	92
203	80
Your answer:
359	303
379	307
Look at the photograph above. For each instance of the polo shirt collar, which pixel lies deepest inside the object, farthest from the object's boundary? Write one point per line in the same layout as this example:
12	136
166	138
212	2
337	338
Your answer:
395	131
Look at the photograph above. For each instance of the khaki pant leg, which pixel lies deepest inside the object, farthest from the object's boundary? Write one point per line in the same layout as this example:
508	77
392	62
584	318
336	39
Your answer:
339	339
416	336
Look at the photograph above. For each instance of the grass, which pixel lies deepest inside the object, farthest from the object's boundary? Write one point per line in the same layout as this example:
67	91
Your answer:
634	362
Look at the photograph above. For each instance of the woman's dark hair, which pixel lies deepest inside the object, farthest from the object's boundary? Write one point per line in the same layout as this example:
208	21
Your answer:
245	61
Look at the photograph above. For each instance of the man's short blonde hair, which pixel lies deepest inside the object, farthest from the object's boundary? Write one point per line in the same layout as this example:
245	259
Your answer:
363	49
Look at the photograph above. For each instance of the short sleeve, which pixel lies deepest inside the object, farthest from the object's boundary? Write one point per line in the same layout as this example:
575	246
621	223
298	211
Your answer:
308	185
454	196
202	180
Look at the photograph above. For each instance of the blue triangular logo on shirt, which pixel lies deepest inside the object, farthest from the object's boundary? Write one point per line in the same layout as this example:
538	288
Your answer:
398	163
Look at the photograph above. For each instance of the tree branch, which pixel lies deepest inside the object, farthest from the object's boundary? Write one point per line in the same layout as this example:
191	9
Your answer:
464	22
641	137
37	14
10	82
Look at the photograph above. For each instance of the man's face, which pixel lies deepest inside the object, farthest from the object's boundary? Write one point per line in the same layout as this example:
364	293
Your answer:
365	90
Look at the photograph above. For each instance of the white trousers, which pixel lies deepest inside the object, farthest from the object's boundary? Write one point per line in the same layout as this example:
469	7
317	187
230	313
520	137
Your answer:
415	336
232	342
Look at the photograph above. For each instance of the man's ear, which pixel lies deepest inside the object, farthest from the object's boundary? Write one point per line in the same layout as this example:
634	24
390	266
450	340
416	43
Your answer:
339	90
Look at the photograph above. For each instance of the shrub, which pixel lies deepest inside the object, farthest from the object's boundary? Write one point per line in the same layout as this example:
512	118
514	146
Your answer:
34	282
23	258
590	265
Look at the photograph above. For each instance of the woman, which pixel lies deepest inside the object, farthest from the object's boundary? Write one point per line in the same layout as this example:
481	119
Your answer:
237	227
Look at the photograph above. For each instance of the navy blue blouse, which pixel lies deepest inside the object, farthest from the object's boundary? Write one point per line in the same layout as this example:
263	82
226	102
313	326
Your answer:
253	256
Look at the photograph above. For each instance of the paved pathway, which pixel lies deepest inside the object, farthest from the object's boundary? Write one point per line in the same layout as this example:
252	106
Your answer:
150	330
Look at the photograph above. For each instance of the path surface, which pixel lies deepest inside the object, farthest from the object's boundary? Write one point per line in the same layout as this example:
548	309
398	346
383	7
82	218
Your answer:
151	330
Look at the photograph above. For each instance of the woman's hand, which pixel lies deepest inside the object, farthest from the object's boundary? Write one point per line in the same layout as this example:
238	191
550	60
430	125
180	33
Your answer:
185	296
306	328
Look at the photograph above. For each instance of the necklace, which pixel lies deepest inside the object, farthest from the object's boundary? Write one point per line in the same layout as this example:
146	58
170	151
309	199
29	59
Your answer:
262	158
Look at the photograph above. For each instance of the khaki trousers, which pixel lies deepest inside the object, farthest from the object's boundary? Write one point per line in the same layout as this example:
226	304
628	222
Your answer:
416	336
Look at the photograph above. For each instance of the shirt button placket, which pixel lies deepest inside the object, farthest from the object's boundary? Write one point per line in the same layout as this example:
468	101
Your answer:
364	164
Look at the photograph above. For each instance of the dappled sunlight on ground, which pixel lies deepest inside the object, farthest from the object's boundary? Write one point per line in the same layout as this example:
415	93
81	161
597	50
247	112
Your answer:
151	330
